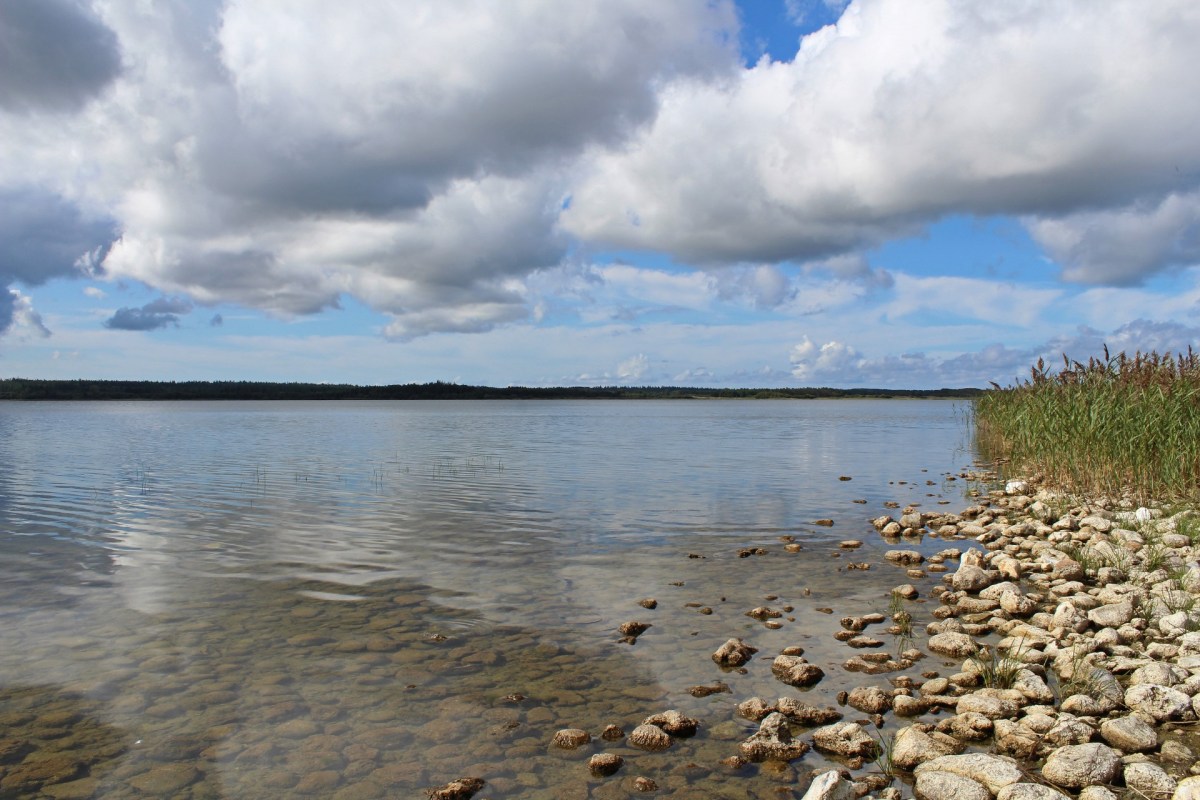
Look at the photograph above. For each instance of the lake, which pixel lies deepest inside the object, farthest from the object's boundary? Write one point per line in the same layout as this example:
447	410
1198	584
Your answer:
361	599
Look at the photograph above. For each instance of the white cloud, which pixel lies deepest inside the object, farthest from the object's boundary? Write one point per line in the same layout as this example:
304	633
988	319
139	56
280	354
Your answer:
633	368
830	361
1124	245
900	114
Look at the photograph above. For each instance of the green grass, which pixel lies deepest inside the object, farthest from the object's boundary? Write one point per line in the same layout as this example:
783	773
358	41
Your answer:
999	671
1111	427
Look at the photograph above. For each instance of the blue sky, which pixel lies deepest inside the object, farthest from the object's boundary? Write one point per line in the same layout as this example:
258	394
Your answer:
687	192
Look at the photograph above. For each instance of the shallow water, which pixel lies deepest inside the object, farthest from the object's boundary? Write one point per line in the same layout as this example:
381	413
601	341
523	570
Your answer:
343	599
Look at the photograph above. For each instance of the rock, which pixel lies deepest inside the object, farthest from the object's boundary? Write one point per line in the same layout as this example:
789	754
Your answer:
989	706
912	746
1111	616
904	557
674	723
806	714
649	737
1161	674
734	653
773	741
1032	687
869	699
1069	617
955	645
1149	780
644	784
612	733
1080	765
830	786
1161	702
1129	734
1188	789
795	671
633	629
905	706
970	726
570	738
970	578
647	602
846	739
461	789
934	785
1016	739
709	689
754	708
993	772
165	780
604	764
1097	793
1030	791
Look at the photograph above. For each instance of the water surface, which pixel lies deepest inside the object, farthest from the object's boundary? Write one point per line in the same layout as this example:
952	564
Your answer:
367	599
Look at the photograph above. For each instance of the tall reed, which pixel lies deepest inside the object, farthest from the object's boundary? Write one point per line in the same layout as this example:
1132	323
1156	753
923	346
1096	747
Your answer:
1118	426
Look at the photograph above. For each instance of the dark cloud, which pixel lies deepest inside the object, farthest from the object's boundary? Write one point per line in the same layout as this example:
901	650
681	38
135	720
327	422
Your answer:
217	321
55	55
43	236
161	313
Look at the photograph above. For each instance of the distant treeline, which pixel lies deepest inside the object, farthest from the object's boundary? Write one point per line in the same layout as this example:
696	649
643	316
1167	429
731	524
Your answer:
25	389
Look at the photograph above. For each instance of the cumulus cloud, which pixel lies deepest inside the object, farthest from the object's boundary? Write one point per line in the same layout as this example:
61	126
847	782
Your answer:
900	114
439	161
1122	246
280	155
55	55
831	360
161	313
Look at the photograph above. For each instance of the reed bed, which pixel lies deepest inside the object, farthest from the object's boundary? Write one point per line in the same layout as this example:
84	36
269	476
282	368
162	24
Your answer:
1119	426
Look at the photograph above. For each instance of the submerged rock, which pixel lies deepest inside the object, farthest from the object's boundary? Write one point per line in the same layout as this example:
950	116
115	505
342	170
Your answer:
461	789
604	764
649	737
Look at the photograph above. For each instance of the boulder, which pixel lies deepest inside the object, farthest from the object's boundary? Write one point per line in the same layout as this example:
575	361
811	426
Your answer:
1129	734
674	723
1076	766
935	785
912	746
773	741
649	737
830	786
1149	780
1188	789
734	653
869	699
795	671
970	578
1030	791
993	772
955	645
570	738
1161	702
604	764
846	739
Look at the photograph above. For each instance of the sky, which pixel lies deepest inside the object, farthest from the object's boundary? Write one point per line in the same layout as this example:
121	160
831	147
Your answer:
761	193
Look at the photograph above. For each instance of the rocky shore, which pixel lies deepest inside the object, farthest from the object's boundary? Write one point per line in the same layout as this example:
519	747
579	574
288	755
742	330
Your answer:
1071	630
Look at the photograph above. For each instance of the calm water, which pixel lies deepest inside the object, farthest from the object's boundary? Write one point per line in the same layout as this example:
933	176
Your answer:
368	599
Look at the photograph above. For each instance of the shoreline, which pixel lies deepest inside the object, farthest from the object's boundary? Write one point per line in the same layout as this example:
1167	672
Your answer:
1075	628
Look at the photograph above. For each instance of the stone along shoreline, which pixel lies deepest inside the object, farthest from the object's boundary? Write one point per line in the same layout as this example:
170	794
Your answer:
1074	627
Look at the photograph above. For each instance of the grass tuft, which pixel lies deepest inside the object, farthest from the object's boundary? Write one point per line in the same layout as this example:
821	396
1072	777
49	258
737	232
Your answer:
1115	426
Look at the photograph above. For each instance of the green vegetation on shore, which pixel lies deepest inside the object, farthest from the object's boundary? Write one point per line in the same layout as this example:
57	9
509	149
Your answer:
26	389
1117	426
